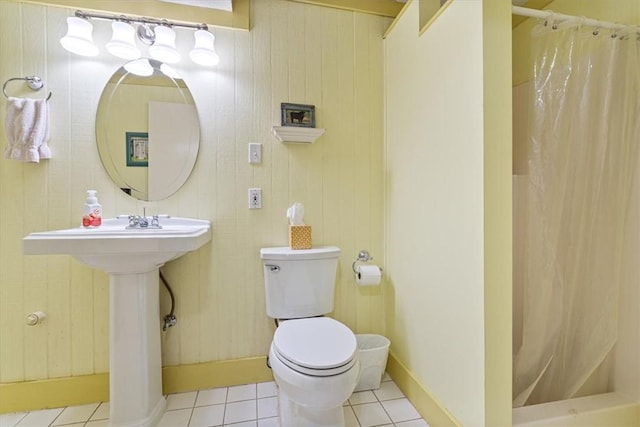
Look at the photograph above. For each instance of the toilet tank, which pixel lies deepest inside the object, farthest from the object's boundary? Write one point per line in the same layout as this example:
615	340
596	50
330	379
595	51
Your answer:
299	283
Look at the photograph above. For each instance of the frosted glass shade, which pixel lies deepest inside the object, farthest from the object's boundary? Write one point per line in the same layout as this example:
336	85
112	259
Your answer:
164	48
139	67
78	39
122	42
203	52
169	71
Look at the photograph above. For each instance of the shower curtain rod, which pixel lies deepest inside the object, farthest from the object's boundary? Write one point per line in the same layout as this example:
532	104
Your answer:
535	13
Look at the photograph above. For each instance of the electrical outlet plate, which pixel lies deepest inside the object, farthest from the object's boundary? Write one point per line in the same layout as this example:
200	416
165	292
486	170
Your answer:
255	198
255	152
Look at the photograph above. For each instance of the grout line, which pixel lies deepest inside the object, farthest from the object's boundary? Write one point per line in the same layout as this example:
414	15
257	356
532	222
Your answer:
256	399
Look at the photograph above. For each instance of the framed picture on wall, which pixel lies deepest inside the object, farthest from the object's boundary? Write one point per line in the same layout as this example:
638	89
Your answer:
300	115
137	149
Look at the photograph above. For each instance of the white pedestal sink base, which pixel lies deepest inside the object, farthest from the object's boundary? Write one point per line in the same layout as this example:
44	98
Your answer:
132	258
135	380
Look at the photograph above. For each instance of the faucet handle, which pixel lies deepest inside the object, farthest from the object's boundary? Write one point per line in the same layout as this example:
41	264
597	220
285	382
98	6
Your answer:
155	222
134	220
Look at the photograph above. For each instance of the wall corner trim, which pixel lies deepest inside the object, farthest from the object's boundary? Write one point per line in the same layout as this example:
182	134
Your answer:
424	401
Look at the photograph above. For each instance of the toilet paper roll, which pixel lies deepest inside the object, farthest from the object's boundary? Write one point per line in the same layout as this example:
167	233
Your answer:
368	275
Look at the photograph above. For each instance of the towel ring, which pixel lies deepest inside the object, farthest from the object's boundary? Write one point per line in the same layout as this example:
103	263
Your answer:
34	82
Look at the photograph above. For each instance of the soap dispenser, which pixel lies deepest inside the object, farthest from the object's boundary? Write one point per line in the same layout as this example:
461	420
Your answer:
92	212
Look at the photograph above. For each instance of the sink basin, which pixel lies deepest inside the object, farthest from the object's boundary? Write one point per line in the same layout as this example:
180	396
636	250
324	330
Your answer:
114	249
132	257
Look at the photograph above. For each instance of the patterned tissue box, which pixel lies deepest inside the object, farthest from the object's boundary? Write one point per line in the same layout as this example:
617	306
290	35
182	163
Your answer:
300	236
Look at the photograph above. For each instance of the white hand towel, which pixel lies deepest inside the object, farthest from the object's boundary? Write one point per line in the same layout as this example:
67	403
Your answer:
27	130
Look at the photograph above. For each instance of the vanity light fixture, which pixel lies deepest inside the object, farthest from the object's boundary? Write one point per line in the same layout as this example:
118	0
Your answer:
169	71
78	39
122	42
203	52
164	47
139	67
157	33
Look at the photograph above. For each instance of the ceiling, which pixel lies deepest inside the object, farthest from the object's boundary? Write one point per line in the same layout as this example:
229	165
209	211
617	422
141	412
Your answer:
392	7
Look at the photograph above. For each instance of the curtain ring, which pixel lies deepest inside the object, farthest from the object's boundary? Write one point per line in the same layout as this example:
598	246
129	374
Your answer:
596	31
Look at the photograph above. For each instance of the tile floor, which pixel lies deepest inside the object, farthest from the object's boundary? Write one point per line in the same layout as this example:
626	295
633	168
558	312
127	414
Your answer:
251	405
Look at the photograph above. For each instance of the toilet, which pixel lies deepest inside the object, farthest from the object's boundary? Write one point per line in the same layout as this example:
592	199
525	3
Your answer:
314	359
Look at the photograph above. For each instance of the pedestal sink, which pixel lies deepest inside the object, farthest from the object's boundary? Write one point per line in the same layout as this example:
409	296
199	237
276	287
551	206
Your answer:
132	258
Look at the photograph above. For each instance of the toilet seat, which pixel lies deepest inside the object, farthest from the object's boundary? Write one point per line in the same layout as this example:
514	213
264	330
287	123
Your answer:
318	346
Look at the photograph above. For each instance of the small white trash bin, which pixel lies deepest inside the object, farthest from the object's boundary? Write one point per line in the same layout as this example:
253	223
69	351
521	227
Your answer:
373	351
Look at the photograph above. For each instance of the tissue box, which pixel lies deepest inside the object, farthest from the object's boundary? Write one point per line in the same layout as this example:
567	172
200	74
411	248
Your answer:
300	236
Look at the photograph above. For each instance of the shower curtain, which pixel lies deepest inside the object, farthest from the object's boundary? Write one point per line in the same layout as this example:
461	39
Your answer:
584	129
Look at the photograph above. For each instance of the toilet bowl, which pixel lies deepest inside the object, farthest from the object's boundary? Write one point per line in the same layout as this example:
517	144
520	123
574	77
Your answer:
316	366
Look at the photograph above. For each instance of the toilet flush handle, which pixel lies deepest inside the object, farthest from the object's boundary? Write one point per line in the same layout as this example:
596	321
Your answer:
272	267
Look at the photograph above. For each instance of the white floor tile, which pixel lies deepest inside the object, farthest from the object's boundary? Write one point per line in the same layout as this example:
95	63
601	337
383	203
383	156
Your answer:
240	411
102	413
251	405
386	377
350	419
241	392
268	407
371	414
75	414
177	418
40	418
207	416
181	400
400	410
212	396
244	424
10	420
388	390
269	422
362	397
413	423
268	389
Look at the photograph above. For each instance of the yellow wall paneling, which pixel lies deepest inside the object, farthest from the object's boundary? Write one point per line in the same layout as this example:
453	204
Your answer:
295	52
448	138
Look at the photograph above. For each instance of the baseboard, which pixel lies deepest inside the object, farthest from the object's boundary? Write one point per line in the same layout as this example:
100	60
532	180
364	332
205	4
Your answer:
201	376
79	390
425	403
53	393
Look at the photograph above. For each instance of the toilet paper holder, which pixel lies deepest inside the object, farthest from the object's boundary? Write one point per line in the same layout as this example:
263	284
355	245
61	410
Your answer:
363	256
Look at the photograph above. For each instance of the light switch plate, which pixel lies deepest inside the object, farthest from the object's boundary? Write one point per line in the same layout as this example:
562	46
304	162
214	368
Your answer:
255	152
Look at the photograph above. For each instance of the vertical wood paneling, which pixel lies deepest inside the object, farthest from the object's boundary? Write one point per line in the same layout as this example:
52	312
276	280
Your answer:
294	53
11	271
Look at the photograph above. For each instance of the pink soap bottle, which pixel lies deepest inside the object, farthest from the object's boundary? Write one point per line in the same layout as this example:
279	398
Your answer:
92	212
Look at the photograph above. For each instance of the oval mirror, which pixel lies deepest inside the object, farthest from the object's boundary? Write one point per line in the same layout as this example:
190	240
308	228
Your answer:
147	130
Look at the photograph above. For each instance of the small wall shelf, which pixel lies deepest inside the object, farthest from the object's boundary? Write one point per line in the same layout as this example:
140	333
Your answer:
296	134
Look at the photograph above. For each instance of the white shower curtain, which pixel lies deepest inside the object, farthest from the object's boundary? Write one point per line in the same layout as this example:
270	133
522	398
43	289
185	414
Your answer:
583	135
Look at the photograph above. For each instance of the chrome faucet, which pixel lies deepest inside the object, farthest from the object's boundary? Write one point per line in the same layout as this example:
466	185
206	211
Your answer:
137	221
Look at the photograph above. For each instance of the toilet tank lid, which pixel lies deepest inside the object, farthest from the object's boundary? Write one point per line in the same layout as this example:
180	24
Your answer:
285	252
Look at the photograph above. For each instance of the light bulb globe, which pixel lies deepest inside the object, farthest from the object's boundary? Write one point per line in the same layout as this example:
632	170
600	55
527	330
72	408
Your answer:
78	39
203	52
164	48
122	44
